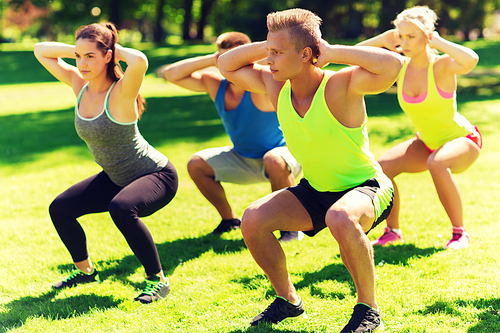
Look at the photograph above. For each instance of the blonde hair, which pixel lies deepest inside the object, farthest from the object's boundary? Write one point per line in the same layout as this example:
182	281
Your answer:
302	24
421	16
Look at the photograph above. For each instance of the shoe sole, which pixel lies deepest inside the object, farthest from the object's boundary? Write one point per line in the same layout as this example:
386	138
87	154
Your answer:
389	243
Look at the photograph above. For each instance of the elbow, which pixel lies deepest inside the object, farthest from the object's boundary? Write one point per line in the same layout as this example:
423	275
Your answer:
141	63
470	64
37	50
396	67
222	65
168	73
144	62
137	59
474	60
399	63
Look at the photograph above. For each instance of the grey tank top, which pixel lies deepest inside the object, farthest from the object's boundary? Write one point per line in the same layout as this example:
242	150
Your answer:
117	147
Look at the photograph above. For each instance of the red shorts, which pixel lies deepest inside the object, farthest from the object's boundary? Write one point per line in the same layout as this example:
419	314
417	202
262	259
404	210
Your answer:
475	136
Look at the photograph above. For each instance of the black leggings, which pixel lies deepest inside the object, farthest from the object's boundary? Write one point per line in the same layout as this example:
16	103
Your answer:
126	205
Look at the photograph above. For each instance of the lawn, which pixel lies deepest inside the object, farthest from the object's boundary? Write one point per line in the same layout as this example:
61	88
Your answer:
216	286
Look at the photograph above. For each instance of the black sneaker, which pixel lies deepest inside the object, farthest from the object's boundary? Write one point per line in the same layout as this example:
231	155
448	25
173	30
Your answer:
279	309
363	319
155	290
226	226
77	277
288	236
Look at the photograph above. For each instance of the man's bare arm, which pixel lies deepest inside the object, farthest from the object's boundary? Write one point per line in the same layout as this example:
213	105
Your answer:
239	66
376	69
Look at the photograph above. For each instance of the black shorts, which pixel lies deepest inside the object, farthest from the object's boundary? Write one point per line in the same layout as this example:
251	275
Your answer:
317	203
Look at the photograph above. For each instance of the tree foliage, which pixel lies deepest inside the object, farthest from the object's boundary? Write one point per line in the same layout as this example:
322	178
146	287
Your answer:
157	19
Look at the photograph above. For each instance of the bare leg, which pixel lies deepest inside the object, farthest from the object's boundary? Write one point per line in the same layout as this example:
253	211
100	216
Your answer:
348	219
277	171
204	177
276	211
280	177
85	266
408	156
454	156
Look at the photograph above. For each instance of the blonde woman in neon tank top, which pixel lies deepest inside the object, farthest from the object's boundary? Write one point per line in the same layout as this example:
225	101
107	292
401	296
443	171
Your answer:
446	142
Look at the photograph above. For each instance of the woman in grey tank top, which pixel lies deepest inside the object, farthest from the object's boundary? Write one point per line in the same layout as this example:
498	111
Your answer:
136	180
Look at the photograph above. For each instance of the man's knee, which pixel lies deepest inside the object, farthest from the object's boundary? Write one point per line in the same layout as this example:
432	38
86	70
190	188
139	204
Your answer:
197	166
340	222
251	221
275	165
194	164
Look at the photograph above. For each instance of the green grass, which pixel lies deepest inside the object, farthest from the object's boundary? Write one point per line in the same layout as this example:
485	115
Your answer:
217	287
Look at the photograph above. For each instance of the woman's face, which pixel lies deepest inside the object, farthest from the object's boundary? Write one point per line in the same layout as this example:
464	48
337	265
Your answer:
89	59
413	40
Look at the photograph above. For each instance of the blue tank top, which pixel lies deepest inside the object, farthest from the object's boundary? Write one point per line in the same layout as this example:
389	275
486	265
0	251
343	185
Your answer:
117	147
253	132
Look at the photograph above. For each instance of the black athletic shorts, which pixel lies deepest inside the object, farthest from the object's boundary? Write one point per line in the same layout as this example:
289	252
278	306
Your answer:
317	203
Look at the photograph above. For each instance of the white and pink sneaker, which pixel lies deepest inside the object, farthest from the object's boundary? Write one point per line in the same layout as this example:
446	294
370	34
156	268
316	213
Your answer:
389	237
459	240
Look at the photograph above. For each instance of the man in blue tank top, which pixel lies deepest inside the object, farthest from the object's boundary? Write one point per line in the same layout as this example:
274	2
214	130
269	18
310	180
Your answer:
259	152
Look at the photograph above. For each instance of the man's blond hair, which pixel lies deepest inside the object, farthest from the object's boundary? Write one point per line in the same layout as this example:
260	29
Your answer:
302	25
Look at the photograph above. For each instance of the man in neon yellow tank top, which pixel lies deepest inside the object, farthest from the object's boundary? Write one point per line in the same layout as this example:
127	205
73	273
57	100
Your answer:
323	118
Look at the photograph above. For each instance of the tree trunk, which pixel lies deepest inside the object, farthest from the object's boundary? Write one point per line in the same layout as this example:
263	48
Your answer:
159	34
390	9
115	13
206	7
186	25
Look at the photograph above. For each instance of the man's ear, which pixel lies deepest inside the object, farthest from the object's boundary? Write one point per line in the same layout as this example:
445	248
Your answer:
307	54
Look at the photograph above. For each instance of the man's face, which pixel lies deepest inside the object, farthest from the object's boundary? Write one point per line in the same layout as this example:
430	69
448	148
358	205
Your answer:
283	58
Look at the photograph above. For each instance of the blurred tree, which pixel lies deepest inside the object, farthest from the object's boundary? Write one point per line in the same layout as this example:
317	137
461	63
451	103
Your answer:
188	19
186	25
247	16
388	12
159	32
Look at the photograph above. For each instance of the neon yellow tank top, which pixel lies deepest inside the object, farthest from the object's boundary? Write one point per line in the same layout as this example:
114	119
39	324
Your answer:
436	118
333	157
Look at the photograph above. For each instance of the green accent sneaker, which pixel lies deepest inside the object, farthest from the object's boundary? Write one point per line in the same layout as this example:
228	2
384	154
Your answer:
77	277
155	290
279	309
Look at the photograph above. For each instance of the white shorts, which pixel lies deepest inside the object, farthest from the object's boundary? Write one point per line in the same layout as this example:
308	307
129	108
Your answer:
231	167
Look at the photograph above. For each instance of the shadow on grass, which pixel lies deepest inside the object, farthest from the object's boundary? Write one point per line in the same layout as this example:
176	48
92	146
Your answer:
488	319
393	255
19	310
169	119
172	255
402	253
22	67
